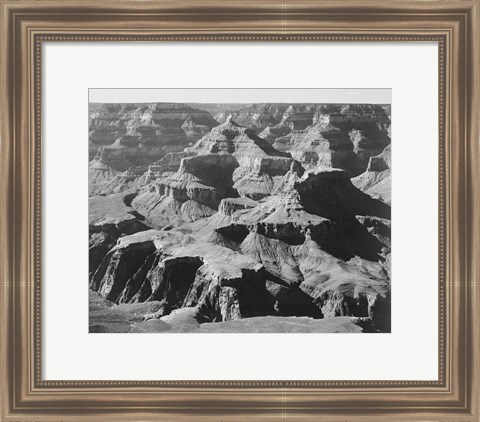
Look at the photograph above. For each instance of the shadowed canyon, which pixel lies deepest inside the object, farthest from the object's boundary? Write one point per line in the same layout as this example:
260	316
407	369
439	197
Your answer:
239	217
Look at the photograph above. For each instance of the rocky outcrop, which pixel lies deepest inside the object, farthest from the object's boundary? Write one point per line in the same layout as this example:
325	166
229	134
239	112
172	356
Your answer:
331	194
271	133
316	148
376	180
218	108
178	272
263	176
299	116
113	214
241	226
260	167
121	265
256	116
110	217
313	237
231	205
292	258
106	317
99	174
340	137
228	296
191	193
194	129
230	161
170	163
233	138
278	117
125	135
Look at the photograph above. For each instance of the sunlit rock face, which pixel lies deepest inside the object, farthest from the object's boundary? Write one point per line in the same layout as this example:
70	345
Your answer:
257	116
339	136
124	135
376	180
128	137
252	218
328	135
231	161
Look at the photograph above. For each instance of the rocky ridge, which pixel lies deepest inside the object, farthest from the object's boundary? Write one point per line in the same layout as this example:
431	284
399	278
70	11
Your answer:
122	136
331	135
232	227
376	180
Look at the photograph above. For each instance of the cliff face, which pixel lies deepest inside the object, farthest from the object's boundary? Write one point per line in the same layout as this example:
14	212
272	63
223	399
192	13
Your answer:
127	135
376	180
330	135
159	123
232	227
257	116
339	136
228	162
306	251
299	116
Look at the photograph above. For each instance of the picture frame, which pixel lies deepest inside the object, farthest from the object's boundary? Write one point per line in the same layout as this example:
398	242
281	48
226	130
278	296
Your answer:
454	25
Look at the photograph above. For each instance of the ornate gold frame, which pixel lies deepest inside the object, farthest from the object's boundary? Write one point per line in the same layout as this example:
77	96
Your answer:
453	24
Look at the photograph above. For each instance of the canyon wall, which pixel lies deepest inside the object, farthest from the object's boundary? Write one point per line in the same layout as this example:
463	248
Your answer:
288	217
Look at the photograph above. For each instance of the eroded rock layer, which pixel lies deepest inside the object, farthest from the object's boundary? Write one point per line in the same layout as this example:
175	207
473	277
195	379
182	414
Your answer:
245	222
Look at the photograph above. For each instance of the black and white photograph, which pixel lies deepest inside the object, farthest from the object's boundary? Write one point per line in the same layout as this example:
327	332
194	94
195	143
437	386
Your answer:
240	216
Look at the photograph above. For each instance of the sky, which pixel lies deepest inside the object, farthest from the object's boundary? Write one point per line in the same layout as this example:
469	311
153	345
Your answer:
241	95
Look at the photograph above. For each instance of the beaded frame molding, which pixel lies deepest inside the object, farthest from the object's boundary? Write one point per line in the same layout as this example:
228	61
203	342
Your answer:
454	25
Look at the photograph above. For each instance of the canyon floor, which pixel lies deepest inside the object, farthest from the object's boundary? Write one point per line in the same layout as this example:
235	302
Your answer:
234	218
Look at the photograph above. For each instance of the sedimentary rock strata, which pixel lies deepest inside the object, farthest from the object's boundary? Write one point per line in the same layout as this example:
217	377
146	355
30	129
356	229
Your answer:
124	136
376	180
242	222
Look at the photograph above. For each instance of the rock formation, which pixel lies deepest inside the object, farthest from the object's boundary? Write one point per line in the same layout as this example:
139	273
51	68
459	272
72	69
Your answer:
332	135
122	136
230	161
340	136
376	180
257	116
247	225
